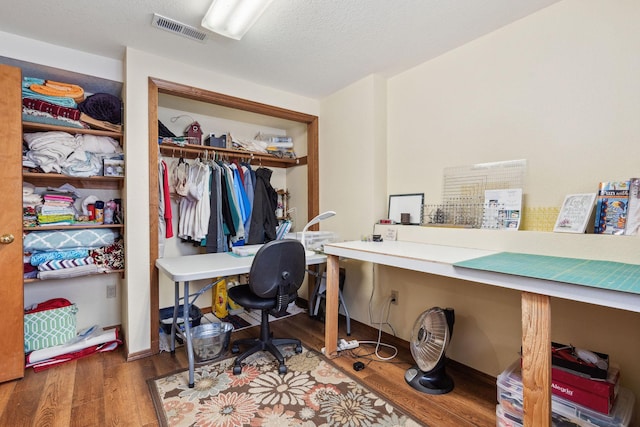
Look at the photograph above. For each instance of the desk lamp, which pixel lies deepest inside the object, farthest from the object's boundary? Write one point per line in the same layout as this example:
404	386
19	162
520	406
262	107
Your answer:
315	220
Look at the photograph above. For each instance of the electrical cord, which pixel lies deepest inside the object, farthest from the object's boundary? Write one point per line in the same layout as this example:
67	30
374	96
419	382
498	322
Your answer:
379	342
373	290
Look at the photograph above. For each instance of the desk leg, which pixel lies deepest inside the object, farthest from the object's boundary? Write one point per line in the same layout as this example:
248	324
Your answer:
331	315
536	359
174	324
187	333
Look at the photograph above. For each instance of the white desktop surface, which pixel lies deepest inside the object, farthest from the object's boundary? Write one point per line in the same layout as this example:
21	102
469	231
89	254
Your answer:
207	266
410	255
439	259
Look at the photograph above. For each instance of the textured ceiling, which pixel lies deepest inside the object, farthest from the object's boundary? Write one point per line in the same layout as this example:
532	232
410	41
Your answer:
309	47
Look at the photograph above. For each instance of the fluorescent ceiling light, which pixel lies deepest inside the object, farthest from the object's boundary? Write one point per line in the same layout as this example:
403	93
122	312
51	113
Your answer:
233	18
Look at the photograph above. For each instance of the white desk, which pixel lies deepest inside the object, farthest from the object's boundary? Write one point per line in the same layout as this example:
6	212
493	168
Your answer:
203	266
536	310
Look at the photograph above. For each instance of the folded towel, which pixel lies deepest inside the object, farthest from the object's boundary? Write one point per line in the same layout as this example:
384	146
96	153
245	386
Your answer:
28	188
66	273
65	90
53	109
27	82
38	258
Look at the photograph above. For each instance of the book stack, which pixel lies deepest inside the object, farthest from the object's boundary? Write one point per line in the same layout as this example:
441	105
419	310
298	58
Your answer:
618	207
611	207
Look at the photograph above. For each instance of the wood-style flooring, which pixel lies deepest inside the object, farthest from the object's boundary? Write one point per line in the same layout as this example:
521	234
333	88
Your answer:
106	390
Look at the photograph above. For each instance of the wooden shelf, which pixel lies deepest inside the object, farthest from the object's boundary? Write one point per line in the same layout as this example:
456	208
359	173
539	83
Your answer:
191	151
78	226
43	127
97	182
67	278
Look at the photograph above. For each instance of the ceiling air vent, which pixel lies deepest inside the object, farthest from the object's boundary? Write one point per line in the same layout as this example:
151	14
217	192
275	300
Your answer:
179	28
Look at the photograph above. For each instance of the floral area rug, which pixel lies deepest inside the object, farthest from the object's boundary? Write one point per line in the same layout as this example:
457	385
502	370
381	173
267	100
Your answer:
313	392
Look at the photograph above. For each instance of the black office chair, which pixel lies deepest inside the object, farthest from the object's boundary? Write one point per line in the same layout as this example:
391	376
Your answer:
276	274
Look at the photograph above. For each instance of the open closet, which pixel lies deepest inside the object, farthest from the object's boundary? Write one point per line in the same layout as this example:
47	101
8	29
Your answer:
176	98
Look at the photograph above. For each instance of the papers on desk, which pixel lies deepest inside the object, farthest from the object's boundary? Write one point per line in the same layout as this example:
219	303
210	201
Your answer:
246	250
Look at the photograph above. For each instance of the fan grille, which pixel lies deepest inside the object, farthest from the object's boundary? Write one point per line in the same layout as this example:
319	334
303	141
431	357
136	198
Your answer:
429	338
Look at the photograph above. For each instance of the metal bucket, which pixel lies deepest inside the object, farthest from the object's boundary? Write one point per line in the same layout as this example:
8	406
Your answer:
210	340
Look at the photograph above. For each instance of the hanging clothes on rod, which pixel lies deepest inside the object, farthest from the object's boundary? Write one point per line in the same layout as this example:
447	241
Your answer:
263	218
219	203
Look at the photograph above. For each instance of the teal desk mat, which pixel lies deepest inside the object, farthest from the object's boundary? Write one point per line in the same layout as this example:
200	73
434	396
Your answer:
610	275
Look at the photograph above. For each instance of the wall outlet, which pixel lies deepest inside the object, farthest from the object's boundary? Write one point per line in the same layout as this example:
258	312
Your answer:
111	291
394	297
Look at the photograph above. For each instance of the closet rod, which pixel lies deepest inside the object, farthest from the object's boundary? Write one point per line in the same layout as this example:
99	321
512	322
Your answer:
196	151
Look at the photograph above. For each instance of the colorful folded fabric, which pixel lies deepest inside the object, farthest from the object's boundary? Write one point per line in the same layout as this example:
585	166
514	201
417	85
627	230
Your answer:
53	109
50	219
65	263
64	90
67	273
35	116
27	82
38	258
68	239
110	257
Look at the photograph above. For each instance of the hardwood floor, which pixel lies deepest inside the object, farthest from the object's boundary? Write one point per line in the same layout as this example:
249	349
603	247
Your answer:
105	390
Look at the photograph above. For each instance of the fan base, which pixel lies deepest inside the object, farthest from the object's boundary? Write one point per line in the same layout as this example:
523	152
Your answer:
433	382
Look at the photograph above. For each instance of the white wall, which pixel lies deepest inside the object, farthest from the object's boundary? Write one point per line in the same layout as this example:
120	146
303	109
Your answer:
353	172
559	88
139	67
24	49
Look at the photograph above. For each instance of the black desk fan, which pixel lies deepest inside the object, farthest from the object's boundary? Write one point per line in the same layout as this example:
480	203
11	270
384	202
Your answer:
429	341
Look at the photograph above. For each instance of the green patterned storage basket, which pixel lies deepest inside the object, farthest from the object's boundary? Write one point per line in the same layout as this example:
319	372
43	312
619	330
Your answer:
49	328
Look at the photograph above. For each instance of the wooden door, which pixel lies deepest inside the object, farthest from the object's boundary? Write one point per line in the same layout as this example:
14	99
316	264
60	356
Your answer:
11	256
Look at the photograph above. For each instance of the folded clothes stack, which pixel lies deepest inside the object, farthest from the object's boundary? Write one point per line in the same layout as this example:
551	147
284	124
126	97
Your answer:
66	104
57	209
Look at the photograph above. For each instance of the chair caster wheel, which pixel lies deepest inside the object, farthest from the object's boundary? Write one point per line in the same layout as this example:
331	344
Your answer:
282	369
235	349
298	349
237	370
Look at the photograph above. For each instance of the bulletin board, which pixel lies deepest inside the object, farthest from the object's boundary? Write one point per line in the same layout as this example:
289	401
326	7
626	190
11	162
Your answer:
406	203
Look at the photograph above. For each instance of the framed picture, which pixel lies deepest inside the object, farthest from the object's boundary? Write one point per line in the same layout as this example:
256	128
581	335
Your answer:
410	204
575	213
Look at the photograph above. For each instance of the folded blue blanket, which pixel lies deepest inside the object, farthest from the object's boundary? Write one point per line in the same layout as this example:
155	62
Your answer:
38	258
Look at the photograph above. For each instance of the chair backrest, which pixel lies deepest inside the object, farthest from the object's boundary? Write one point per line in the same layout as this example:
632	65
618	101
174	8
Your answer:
278	268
